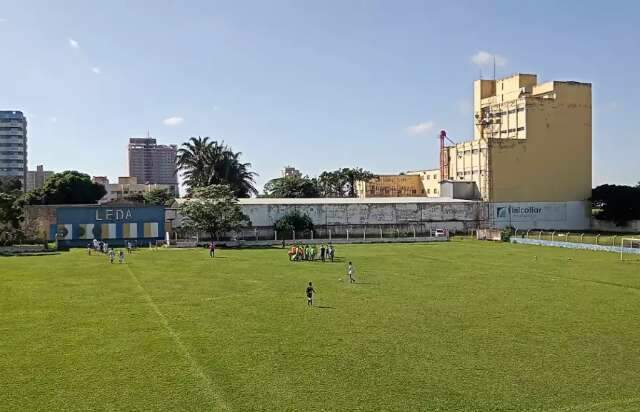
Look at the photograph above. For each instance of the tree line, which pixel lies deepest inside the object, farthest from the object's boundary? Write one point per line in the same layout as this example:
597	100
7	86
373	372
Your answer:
337	183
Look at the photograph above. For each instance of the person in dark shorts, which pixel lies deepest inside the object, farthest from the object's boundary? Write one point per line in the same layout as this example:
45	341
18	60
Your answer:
212	249
322	251
310	292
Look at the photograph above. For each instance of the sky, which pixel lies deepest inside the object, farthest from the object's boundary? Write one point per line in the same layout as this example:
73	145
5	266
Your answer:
317	85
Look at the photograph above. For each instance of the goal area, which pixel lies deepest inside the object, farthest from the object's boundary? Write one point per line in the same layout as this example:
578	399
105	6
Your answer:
630	248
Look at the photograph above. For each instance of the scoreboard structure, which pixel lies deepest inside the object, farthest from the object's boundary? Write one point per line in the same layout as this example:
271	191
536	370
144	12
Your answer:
77	226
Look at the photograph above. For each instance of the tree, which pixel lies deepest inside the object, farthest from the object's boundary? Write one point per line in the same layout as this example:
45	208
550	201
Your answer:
10	210
617	203
292	187
342	182
213	209
159	197
8	185
204	163
293	221
68	187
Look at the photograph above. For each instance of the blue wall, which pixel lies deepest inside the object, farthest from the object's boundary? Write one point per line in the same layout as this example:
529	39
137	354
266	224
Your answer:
77	226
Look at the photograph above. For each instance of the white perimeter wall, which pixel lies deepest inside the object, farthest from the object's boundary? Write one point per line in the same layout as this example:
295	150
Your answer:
368	214
541	215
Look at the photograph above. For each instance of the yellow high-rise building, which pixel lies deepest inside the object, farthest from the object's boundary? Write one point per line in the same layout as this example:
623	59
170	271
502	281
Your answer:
532	142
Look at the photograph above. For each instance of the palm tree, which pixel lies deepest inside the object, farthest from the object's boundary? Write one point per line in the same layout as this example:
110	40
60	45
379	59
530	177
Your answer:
203	163
192	159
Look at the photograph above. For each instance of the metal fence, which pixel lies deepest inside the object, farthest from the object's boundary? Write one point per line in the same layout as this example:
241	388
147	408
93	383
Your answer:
351	232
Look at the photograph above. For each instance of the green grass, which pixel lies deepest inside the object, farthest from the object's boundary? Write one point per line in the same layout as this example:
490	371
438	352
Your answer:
462	325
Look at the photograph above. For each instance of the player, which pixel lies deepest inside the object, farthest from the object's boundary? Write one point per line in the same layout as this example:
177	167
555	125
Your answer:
310	292
129	247
89	248
350	272
121	256
322	252
112	255
212	249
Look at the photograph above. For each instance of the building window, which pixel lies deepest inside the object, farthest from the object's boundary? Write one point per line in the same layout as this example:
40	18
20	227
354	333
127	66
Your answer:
428	191
435	191
520	129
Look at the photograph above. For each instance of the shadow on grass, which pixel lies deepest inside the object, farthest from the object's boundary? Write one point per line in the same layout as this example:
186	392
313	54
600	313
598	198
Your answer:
324	307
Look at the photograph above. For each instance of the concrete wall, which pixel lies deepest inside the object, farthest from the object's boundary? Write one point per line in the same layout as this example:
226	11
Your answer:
541	215
369	213
607	226
553	163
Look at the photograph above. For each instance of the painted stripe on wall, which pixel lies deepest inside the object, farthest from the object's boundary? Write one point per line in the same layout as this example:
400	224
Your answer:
130	230
151	229
108	231
86	231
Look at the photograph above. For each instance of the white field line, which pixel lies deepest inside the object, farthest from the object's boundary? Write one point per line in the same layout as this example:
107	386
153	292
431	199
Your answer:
196	368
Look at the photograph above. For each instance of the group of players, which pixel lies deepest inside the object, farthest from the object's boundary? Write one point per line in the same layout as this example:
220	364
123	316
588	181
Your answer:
310	253
103	247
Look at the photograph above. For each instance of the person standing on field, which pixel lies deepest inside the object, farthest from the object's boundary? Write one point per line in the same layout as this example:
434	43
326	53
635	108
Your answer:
322	252
121	256
350	272
212	249
310	292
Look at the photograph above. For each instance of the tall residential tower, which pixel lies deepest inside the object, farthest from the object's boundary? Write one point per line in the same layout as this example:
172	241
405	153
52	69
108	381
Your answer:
152	163
13	146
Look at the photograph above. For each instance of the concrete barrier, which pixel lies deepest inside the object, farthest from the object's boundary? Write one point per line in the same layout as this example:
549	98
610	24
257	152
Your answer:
571	245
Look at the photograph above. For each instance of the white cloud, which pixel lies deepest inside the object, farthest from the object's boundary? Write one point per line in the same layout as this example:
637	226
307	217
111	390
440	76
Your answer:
420	128
53	119
3	20
96	70
173	121
216	108
73	44
484	58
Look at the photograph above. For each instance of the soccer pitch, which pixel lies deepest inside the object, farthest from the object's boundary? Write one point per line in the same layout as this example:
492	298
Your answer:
462	325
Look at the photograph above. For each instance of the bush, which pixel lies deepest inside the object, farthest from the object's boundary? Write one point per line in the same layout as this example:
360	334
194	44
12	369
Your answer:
506	233
293	221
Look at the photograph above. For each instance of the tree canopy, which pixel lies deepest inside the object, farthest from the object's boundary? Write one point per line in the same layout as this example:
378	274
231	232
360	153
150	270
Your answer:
203	163
10	210
293	221
617	203
213	209
159	197
292	187
68	187
336	183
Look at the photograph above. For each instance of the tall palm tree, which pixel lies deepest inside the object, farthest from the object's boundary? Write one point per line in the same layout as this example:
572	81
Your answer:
203	163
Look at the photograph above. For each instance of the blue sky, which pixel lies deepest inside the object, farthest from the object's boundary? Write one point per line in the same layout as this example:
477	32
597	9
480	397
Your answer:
317	85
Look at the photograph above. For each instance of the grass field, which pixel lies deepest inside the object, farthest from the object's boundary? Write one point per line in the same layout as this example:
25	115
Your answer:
462	325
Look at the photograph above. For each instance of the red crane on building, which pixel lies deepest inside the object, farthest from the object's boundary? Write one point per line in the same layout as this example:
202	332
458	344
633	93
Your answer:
444	156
